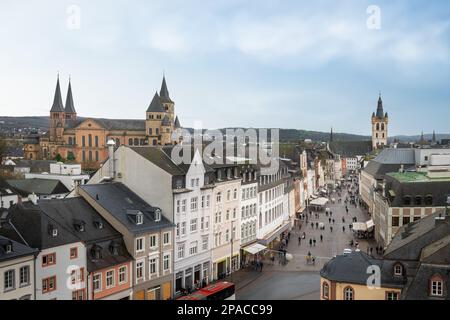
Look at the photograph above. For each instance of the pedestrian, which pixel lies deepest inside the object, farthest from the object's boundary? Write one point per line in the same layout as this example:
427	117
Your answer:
261	266
299	240
371	250
317	225
326	213
343	220
310	242
333	221
289	236
329	220
312	225
321	238
287	242
331	229
314	241
343	228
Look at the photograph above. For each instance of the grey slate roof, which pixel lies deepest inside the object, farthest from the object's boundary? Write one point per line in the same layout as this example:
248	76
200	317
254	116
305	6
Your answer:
410	239
38	186
157	156
18	249
36	166
417	289
35	224
349	149
57	105
155	104
70	108
396	156
121	202
121	124
352	268
5	188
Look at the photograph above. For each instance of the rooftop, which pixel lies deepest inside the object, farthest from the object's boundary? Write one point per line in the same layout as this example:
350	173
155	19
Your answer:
407	177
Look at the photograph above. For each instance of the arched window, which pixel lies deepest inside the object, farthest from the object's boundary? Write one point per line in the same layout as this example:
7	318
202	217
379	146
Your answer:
130	142
398	269
136	141
378	126
349	293
429	200
325	291
260	219
418	200
407	200
382	126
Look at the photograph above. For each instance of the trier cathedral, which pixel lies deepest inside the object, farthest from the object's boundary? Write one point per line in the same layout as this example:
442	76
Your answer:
83	140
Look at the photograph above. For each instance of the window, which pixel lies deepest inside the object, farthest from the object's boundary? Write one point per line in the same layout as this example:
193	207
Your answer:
153	241
97	282
9	280
407	200
122	274
139	269
150	131
157	215
181	251
153	266
48	259
183	228
395	221
90	140
139	244
96	141
78	294
218	217
436	286
398	269
349	293
234	213
24	276
166	238
49	284
205	243
418	200
228	195
406	220
194	204
235	194
197	182
109	279
166	261
193	225
73	253
227	235
207	201
139	218
391	295
183	205
325	290
178	206
193	248
429	200
83	141
219	197
227	216
192	182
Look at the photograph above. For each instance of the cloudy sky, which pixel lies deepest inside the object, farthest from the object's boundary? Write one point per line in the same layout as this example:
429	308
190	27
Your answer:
292	64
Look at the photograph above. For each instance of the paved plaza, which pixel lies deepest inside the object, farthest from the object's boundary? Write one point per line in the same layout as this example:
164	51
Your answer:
297	279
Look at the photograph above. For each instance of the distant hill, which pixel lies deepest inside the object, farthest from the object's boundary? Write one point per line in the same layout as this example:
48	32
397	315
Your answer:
286	135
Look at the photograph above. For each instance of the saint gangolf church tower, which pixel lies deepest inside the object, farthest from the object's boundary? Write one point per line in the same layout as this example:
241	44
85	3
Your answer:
379	126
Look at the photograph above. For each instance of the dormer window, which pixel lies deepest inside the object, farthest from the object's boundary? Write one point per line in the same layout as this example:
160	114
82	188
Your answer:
398	269
157	215
98	224
407	200
418	200
436	286
54	232
8	248
114	248
429	200
139	218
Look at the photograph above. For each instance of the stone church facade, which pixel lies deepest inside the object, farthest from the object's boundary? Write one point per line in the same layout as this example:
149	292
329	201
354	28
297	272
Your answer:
83	140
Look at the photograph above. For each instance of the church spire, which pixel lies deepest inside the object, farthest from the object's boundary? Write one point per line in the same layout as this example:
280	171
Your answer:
57	100
331	135
164	92
380	113
70	108
434	136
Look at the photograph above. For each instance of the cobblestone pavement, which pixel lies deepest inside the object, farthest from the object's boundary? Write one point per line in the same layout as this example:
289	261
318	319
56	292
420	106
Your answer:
305	276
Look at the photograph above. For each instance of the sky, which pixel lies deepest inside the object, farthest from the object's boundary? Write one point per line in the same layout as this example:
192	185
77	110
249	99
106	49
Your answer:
290	64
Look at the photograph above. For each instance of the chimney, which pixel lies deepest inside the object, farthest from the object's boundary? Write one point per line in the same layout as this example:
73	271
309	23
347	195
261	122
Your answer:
33	198
111	145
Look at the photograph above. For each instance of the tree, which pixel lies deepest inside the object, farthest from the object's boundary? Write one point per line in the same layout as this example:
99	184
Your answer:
70	156
2	149
59	158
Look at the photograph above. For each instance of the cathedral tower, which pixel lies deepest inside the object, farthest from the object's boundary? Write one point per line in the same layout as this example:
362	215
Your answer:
57	116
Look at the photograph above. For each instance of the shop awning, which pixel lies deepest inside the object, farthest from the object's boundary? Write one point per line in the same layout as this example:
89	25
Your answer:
370	224
319	202
269	238
254	248
359	226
